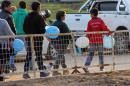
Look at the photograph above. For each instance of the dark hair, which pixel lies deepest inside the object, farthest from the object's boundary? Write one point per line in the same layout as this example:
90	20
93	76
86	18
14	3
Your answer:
5	4
22	4
35	6
59	14
94	12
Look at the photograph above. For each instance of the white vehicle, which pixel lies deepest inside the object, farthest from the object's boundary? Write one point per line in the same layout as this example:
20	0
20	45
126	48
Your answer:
71	0
115	13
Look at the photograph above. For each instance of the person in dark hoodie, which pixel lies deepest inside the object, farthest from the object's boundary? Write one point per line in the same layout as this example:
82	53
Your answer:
6	14
34	24
61	43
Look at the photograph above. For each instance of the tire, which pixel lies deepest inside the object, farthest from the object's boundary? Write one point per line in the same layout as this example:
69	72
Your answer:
121	41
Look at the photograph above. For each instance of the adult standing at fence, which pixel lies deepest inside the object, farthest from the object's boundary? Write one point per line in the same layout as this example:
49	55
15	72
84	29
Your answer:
96	24
4	52
61	43
19	17
34	24
6	14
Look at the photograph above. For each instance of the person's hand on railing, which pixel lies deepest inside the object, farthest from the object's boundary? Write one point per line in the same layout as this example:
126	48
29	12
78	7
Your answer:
110	33
48	39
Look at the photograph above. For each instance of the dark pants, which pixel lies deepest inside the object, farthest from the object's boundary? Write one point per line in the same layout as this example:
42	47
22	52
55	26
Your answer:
93	47
4	58
38	41
60	58
1	78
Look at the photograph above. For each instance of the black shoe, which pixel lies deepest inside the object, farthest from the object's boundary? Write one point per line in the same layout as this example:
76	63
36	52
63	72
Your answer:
44	74
86	69
1	78
7	69
101	68
26	76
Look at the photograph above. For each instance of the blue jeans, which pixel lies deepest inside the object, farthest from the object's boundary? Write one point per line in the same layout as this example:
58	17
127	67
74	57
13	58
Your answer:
12	58
60	59
93	47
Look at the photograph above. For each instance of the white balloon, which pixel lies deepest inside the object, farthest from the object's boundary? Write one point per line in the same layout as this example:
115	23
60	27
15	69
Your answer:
108	42
82	42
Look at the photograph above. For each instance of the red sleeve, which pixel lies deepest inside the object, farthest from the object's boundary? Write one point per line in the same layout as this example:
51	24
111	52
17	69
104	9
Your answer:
88	30
88	27
103	26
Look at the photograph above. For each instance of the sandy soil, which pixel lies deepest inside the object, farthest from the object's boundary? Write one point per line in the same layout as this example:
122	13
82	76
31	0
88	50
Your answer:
120	78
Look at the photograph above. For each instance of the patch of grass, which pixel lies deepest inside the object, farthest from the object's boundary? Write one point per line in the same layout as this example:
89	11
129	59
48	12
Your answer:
54	7
69	8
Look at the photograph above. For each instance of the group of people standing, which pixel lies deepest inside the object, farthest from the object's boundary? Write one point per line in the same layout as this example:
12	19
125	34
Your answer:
21	22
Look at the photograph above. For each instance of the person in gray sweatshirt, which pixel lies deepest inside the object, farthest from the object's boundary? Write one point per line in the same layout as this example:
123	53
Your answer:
5	30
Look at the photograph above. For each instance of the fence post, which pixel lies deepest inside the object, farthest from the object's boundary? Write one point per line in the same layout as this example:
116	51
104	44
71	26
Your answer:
75	54
33	54
113	56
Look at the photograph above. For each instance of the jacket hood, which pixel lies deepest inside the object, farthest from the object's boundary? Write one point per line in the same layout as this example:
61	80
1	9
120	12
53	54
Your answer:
21	11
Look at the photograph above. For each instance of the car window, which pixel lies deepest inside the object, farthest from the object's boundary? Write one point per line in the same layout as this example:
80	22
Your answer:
106	6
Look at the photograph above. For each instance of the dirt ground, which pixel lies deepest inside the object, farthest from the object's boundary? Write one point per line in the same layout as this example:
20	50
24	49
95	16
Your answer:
120	78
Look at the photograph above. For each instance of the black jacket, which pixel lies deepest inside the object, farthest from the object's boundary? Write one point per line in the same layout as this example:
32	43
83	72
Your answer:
8	17
34	24
63	29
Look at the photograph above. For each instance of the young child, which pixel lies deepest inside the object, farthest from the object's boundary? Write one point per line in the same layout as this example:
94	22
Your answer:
96	24
13	53
60	43
12	9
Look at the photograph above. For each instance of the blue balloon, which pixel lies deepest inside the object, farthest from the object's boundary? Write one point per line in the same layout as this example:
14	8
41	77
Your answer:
18	45
53	31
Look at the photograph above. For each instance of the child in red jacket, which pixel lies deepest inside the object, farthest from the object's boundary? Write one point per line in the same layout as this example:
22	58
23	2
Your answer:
96	24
